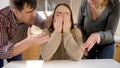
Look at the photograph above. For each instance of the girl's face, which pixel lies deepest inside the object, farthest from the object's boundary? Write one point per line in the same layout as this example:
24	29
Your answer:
61	11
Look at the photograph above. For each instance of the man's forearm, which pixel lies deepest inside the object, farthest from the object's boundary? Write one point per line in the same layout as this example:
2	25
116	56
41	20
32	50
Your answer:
21	46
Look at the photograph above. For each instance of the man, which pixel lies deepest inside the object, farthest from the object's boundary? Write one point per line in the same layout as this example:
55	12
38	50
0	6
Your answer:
14	27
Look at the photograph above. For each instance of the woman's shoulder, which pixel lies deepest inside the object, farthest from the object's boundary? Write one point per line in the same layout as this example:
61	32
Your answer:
76	30
114	2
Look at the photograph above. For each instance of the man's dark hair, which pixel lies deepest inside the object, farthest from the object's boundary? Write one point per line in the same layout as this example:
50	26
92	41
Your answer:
19	4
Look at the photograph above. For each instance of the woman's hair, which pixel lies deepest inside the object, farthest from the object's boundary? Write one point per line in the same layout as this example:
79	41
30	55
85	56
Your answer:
51	28
19	4
104	2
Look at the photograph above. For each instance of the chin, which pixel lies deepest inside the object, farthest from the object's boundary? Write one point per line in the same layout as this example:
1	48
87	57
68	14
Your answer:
31	22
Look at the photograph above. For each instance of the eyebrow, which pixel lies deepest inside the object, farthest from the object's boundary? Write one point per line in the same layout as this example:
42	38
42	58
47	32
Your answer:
61	12
30	11
58	12
67	12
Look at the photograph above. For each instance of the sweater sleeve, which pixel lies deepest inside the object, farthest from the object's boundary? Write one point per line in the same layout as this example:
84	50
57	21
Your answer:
48	49
6	51
6	47
73	44
108	35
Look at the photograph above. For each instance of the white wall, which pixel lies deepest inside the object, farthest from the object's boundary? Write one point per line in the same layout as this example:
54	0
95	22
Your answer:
118	29
3	3
75	8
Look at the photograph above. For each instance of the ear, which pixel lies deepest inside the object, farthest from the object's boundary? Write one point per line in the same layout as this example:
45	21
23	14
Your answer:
16	12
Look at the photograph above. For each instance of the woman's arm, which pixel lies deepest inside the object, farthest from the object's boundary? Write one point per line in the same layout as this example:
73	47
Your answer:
73	44
48	49
108	35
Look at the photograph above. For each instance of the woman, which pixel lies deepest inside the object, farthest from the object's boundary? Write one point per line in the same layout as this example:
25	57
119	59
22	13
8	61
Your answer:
98	20
65	40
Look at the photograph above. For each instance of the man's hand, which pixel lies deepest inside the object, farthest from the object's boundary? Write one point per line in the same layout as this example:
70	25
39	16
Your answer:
37	39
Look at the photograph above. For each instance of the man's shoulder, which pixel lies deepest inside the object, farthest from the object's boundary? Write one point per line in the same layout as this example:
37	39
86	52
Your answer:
5	11
6	16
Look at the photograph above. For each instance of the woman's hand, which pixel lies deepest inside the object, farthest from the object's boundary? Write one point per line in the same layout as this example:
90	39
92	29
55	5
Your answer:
85	52
93	38
67	23
58	20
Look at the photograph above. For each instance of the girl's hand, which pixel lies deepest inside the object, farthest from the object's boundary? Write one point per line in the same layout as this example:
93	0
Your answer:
58	20
67	23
